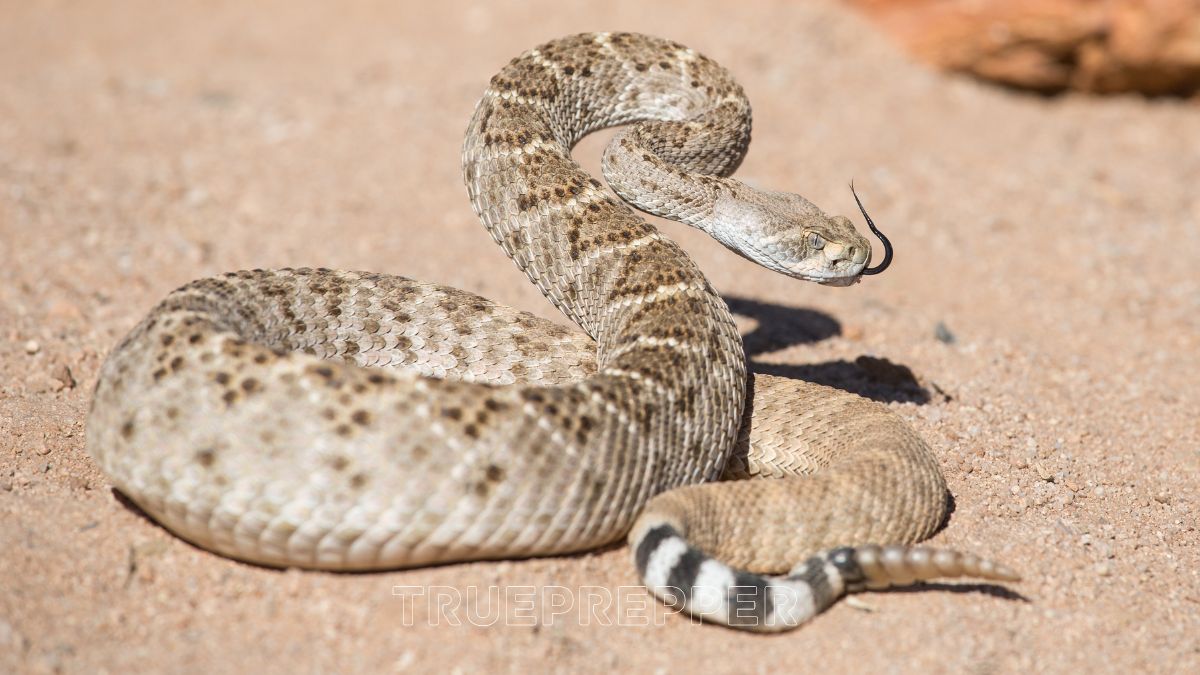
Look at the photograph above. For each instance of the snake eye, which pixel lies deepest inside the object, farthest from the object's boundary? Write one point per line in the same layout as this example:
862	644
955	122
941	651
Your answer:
815	241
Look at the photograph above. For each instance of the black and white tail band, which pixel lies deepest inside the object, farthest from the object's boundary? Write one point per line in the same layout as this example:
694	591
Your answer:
687	579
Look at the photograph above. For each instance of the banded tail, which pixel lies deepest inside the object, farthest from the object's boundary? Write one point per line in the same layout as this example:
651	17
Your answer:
688	579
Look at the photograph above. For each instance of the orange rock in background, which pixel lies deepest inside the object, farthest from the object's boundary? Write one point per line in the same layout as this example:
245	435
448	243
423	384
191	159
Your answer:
1104	46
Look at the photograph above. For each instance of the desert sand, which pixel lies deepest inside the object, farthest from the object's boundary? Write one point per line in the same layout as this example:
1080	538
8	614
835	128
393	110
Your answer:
1044	296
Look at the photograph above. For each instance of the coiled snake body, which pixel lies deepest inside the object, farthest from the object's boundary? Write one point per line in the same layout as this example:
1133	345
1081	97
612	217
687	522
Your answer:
356	421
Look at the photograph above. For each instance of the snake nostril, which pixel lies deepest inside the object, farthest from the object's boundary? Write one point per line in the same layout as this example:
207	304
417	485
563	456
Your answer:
851	252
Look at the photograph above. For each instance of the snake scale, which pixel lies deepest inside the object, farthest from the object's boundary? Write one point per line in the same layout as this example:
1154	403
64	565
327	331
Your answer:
360	421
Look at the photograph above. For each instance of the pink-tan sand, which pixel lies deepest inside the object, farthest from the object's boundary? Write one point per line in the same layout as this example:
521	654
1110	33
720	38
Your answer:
1045	295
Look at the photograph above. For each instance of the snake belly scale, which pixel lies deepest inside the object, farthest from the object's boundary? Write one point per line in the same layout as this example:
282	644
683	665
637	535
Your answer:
360	421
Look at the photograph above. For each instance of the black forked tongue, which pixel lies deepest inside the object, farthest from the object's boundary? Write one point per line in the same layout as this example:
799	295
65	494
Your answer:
887	245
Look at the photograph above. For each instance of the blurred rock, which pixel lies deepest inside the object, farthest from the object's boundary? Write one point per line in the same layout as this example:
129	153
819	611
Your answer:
62	373
1147	46
943	334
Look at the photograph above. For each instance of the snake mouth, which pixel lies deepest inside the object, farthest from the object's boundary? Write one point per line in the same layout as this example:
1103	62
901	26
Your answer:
840	281
832	279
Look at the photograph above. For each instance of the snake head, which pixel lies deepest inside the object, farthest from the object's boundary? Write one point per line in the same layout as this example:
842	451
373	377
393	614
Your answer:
787	233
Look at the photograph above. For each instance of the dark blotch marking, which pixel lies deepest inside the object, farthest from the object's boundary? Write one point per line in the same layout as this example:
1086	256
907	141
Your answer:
361	417
206	457
453	413
494	473
127	429
358	480
339	462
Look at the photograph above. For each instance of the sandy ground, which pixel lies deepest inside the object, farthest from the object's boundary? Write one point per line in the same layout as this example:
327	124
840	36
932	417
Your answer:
1054	241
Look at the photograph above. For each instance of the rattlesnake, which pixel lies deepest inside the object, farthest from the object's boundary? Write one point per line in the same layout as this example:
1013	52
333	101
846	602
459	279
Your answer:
358	421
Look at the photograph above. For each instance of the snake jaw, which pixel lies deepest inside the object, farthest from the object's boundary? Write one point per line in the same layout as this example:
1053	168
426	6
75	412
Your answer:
836	281
840	282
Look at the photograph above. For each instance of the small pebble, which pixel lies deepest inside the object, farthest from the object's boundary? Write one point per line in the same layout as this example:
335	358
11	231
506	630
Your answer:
860	605
943	334
32	347
63	374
